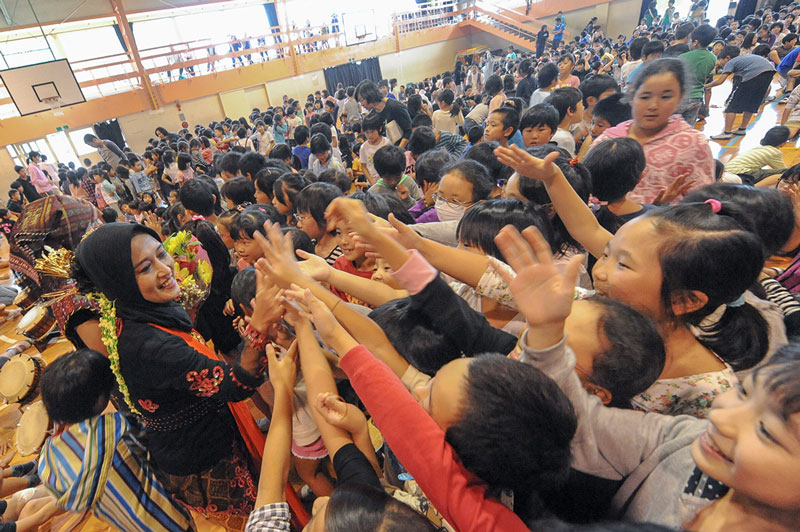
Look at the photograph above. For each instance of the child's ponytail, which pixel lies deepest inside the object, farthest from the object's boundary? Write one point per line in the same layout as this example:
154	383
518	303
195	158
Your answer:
740	336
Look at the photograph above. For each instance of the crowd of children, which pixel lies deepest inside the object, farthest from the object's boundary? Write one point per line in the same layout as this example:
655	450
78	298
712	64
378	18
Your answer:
520	295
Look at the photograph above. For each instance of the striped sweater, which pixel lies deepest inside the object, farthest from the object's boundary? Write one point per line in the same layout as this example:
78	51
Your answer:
99	465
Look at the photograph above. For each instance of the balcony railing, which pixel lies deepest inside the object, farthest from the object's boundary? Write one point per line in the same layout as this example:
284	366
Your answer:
111	74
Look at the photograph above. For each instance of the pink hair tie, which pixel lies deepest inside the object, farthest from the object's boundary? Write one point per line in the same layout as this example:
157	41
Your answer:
198	217
716	205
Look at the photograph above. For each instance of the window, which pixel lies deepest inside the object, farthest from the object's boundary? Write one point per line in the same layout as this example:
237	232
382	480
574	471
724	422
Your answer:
61	146
22	52
77	139
153	33
90	43
35	145
13	152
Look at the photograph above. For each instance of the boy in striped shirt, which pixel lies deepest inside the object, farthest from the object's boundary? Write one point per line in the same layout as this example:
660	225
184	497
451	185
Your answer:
750	164
94	461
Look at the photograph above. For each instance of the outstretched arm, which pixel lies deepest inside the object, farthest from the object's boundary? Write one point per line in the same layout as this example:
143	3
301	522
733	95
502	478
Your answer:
545	298
373	292
279	263
457	263
428	457
275	471
576	215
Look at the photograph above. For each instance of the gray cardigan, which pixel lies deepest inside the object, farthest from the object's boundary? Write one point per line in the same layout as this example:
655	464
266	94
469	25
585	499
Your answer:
651	452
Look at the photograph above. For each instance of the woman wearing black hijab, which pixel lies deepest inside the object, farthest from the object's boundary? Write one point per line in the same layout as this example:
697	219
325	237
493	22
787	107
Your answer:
168	375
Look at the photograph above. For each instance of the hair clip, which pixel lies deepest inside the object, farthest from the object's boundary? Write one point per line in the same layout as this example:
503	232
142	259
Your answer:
716	205
198	217
573	161
738	302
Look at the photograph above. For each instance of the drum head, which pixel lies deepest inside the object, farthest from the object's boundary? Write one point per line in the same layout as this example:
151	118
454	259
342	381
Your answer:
32	429
17	377
30	319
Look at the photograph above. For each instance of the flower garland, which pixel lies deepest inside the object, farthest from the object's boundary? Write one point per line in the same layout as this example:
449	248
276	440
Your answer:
108	333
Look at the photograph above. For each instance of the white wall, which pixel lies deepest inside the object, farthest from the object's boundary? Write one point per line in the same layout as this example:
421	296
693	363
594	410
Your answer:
416	64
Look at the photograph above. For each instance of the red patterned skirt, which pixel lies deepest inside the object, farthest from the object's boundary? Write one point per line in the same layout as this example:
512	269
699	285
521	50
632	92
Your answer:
226	490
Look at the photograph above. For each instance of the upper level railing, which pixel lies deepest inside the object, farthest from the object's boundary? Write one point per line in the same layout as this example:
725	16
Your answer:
111	74
436	14
115	73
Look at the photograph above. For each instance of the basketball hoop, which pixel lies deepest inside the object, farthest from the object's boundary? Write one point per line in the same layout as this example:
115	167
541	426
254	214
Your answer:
55	105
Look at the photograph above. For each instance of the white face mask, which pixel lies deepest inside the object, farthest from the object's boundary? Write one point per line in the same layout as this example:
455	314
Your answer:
446	212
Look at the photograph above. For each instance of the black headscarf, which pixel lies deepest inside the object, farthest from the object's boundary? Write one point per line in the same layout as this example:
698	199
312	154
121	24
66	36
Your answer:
105	257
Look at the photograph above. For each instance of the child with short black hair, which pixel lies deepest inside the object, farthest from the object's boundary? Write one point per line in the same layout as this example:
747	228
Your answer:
390	162
474	136
108	214
501	124
90	444
547	79
609	112
238	193
594	89
372	126
14	203
616	166
302	151
568	101
538	124
6	222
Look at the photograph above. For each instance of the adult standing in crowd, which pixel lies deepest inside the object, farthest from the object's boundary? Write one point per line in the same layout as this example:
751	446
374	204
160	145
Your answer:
393	113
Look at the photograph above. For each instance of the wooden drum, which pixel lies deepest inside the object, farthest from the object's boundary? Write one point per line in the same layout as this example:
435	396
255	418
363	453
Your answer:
19	379
37	323
33	429
24	300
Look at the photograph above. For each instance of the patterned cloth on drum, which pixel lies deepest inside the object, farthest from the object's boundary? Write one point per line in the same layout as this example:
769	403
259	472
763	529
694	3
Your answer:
57	222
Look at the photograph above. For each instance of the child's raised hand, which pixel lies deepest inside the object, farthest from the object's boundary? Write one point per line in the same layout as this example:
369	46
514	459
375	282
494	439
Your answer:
350	212
152	221
679	186
314	266
527	165
407	237
403	192
266	305
340	414
319	314
541	292
229	309
279	262
283	372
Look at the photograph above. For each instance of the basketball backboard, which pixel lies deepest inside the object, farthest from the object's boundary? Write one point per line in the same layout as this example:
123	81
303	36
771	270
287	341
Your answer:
32	87
359	27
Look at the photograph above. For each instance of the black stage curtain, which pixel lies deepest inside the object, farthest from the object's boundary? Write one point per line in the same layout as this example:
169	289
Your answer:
110	130
745	7
352	73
